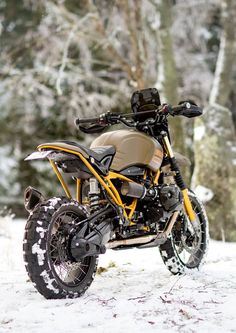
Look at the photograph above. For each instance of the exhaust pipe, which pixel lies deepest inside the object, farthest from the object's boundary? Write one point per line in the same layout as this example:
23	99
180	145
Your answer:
130	242
146	241
32	198
162	236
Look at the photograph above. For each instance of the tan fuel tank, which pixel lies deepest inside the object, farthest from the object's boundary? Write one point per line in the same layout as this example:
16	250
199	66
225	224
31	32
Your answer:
132	148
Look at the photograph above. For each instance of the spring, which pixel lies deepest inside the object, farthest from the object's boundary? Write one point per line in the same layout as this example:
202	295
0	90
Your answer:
94	202
94	194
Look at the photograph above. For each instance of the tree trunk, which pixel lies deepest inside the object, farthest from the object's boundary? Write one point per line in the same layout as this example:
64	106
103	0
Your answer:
167	82
223	74
215	144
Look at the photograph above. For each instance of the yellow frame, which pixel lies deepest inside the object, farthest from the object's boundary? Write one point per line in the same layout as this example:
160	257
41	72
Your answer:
78	190
106	182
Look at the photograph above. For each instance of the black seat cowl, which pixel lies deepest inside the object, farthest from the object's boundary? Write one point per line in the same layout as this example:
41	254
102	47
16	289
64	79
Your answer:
103	151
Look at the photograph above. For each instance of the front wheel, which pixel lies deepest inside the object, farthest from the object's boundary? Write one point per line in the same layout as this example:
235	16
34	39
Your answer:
47	255
186	247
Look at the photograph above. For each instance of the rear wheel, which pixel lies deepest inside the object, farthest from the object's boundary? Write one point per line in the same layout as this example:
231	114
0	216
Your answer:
186	247
47	255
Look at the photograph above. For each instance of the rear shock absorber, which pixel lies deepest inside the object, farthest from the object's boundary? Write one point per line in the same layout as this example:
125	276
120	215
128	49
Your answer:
94	194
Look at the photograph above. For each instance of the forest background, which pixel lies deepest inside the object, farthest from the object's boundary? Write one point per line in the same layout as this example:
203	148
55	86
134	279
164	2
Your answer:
64	59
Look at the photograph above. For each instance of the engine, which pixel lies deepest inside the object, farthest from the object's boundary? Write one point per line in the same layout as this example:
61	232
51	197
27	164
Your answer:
170	196
157	203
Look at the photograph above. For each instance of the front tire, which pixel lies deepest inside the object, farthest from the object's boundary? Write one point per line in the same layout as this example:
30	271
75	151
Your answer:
186	247
46	247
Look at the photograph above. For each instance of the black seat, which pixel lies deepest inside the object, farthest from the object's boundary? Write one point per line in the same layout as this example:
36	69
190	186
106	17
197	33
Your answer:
97	153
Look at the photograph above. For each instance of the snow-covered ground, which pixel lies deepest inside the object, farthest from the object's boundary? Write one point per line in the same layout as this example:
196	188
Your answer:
136	293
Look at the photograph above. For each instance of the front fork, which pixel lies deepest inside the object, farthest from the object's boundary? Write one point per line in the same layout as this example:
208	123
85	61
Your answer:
178	177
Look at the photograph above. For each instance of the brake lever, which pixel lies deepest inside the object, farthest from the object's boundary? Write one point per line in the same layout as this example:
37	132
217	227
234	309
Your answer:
112	118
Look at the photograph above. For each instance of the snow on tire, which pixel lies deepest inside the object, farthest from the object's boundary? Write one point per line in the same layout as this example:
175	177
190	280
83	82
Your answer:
181	253
50	267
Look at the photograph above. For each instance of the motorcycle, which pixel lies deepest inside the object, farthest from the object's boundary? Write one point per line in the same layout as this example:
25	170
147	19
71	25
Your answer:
129	192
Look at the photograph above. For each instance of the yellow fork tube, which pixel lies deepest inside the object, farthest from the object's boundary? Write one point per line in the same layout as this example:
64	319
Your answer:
187	203
156	178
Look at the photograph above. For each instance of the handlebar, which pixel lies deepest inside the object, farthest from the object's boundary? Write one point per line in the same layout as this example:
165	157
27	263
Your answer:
186	109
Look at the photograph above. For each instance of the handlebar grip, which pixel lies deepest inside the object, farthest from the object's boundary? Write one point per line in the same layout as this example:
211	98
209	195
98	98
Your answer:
186	109
193	111
175	110
86	120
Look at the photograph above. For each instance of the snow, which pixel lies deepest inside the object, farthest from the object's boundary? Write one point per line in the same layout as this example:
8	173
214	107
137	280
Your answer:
5	224
205	194
134	293
199	132
49	281
36	249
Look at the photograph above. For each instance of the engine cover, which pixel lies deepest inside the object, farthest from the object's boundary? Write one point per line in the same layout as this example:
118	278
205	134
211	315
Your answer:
170	196
161	201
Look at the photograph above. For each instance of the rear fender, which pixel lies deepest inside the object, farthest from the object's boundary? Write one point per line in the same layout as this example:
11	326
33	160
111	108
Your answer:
38	155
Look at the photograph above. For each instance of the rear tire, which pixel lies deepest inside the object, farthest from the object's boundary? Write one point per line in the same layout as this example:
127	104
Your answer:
186	248
50	266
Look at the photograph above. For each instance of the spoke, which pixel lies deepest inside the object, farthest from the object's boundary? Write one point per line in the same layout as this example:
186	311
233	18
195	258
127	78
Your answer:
86	265
68	271
54	247
69	277
82	270
189	242
194	256
59	269
71	271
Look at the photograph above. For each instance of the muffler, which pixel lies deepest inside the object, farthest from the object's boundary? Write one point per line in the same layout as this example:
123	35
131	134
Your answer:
138	191
133	190
32	198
